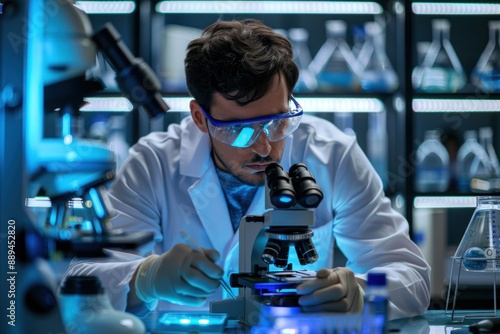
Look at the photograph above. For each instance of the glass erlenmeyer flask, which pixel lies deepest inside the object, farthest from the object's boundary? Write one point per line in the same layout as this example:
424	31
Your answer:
472	162
377	74
416	75
441	70
299	37
358	39
479	247
486	73
432	160
334	65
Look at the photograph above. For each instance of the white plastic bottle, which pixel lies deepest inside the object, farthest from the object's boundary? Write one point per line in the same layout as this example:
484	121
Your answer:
86	309
432	164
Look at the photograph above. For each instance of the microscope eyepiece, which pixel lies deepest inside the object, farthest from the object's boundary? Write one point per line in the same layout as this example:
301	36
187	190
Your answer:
281	190
308	192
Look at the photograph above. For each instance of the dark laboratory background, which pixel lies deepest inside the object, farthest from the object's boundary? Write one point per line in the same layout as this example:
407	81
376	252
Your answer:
418	123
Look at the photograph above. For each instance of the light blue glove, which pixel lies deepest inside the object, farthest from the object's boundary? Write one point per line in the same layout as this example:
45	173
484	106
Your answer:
181	276
333	290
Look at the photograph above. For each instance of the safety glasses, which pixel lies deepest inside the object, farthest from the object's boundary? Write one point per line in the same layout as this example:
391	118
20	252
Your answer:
243	133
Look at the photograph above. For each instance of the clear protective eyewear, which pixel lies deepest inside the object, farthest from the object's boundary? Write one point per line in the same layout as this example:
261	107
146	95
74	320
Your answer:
243	133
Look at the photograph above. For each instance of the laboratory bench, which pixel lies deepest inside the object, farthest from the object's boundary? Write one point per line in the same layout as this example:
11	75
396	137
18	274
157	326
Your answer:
431	322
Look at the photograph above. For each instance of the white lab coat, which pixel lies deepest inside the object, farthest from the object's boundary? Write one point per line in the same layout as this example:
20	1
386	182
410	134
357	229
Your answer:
169	183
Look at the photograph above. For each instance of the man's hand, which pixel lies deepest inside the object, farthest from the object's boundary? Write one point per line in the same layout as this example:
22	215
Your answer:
181	276
333	290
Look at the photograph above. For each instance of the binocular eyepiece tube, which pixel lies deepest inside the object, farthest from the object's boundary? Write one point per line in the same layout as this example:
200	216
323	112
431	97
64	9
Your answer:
296	186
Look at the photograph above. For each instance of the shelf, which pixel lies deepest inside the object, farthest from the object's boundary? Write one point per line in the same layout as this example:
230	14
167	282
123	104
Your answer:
449	8
181	104
107	7
471	104
269	7
437	202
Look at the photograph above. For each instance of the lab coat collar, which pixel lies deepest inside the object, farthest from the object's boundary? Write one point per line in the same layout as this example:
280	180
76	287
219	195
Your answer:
195	153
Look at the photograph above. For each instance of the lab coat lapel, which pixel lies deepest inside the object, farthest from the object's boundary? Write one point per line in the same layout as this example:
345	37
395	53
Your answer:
206	192
210	204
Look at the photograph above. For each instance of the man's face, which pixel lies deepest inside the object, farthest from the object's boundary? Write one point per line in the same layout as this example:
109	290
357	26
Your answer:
247	164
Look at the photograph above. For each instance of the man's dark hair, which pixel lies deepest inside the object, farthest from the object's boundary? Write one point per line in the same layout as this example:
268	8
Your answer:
239	60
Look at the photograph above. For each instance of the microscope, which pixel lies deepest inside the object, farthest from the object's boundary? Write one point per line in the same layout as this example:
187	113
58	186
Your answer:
44	59
265	241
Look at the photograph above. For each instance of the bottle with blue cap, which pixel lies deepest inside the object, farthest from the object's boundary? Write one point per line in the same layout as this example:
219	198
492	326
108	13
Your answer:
376	304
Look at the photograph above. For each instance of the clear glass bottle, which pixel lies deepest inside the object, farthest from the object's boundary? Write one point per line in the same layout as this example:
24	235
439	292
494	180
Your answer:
441	70
479	247
377	73
432	173
299	37
486	73
472	161
334	65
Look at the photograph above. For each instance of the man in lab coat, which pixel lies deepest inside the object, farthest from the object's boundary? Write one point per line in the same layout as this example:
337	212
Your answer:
204	174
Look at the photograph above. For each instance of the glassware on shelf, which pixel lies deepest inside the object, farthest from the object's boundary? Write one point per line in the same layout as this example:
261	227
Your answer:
440	70
472	162
416	75
334	65
486	73
299	37
486	140
432	173
377	73
358	38
477	257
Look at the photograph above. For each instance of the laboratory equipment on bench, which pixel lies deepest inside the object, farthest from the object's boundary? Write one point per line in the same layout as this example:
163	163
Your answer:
477	256
265	241
440	70
40	76
486	73
376	306
86	309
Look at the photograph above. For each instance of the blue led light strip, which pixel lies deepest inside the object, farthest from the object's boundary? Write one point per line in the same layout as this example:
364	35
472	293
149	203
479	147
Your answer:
269	7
